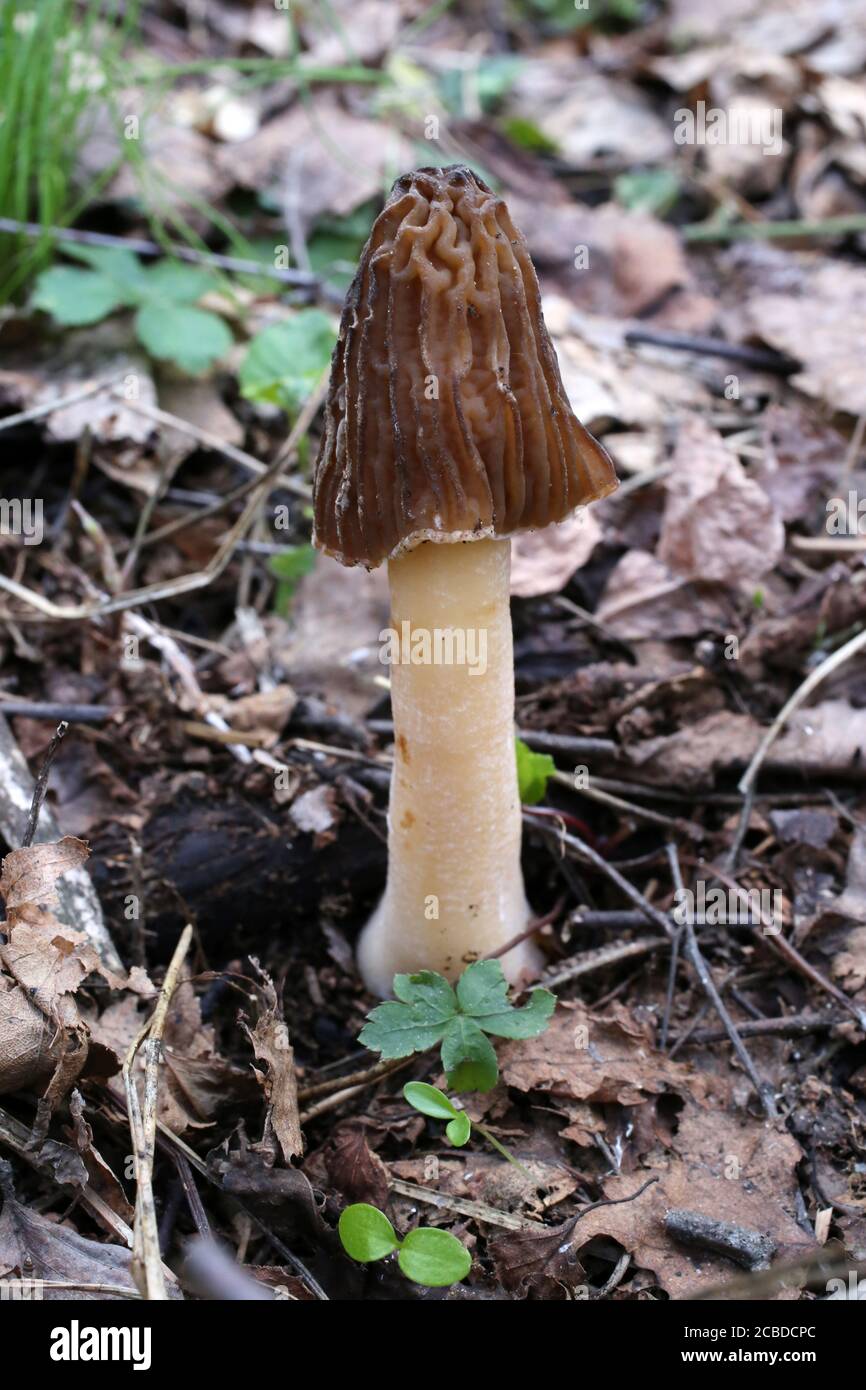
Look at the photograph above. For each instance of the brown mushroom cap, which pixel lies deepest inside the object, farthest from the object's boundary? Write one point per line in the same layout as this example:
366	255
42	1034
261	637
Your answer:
446	417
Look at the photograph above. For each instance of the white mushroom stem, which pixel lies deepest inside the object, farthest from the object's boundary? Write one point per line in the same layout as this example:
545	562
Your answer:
454	890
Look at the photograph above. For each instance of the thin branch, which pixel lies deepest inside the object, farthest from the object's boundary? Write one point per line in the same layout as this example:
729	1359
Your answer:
146	1260
41	786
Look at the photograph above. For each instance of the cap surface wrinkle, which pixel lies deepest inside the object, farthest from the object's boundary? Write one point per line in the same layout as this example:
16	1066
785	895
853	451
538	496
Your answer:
446	418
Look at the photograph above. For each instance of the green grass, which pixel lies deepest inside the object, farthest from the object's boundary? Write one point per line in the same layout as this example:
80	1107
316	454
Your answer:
55	60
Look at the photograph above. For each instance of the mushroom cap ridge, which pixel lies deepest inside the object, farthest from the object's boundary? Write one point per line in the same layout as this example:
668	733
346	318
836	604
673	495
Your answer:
446	418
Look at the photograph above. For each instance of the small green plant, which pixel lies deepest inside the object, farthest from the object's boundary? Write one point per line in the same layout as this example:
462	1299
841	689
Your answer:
533	772
58	58
164	296
288	568
285	361
426	1255
429	1100
428	1012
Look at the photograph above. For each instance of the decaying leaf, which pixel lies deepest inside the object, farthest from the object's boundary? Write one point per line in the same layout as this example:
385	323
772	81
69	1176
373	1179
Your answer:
270	1041
33	1247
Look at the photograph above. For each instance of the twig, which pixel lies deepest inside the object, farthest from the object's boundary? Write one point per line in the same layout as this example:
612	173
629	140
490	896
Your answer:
194	1201
794	1026
70	714
584	851
59	403
146	1260
365	1077
589	961
693	955
762	359
220	446
747	782
141	247
106	1290
789	953
41	786
616	803
844	225
479	1210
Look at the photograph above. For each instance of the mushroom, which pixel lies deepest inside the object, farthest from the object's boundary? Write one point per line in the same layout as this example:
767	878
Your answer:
447	429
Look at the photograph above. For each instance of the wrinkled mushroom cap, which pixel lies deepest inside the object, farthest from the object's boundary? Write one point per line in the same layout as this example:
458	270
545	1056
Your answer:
446	417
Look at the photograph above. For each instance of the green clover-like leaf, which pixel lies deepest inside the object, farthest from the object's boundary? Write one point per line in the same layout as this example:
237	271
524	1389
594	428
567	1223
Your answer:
482	992
193	338
468	1057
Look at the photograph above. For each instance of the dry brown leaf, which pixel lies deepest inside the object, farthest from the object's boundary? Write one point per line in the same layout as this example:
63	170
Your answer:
270	1042
583	1056
644	599
542	562
33	1247
29	875
824	328
728	1167
337	159
718	525
354	1169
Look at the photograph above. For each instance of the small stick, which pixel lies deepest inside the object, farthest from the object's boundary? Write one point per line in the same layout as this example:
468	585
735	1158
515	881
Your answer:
146	1259
761	359
219	446
693	954
71	714
589	961
42	786
141	247
366	1077
801	694
48	407
592	793
795	1026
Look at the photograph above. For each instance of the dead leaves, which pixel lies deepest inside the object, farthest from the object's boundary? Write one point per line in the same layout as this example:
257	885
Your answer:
33	1247
270	1042
718	524
823	328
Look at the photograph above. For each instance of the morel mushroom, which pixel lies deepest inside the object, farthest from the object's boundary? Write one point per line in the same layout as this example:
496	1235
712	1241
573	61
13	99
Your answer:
447	429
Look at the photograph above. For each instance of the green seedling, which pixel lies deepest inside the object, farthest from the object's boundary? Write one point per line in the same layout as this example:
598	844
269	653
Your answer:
429	1100
428	1012
426	1256
534	770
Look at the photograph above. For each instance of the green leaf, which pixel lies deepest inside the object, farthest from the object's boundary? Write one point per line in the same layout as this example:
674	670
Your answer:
193	338
647	190
429	1100
433	1258
115	263
178	283
482	992
366	1233
528	135
533	771
74	297
284	362
288	567
468	1057
417	1021
459	1130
